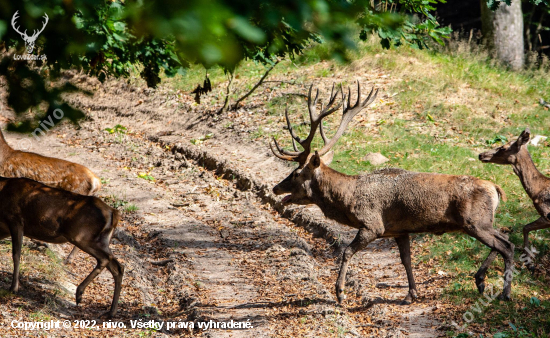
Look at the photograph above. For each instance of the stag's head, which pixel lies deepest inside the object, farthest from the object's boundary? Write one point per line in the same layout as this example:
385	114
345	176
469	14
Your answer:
29	40
298	185
507	154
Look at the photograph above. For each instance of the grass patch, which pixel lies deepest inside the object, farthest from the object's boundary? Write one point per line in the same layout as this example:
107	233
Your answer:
131	208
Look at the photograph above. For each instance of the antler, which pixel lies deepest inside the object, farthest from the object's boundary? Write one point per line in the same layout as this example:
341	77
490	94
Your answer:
301	156
13	19
316	119
348	113
43	26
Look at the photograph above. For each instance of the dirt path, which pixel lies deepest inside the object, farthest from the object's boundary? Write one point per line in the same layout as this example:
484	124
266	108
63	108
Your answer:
225	253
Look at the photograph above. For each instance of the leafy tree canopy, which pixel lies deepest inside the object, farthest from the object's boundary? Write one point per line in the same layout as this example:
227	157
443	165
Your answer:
110	38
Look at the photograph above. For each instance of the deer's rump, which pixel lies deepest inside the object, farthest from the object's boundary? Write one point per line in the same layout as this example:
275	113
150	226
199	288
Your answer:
411	202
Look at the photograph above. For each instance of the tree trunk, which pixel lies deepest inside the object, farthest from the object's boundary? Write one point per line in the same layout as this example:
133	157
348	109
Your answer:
503	32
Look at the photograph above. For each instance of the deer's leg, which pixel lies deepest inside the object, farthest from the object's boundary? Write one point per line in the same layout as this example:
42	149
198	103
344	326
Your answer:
16	244
540	223
71	255
404	244
117	271
480	274
103	258
362	239
498	242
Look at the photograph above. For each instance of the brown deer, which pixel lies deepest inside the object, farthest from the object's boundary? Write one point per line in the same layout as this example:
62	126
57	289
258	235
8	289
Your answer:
389	202
32	209
534	182
51	171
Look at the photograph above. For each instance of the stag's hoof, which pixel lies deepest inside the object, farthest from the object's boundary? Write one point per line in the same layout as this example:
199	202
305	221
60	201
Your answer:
14	286
481	287
340	296
78	296
411	296
406	301
504	297
106	315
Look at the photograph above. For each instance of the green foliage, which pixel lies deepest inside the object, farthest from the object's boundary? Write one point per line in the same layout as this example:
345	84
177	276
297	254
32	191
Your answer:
494	4
119	129
117	38
146	176
200	140
496	139
404	21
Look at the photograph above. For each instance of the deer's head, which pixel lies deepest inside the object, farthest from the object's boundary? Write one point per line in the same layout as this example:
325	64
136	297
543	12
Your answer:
298	185
507	154
29	40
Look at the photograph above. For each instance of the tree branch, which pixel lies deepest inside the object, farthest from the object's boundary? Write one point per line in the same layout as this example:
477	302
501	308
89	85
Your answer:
236	105
228	91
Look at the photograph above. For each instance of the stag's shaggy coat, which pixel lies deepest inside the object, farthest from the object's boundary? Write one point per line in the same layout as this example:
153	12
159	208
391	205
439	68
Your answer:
391	202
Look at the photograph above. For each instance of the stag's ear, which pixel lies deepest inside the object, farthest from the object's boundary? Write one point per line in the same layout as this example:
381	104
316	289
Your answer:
327	158
316	160
524	137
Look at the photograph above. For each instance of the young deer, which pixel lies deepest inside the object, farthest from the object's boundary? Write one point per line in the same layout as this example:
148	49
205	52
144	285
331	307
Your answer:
48	170
32	209
534	182
389	202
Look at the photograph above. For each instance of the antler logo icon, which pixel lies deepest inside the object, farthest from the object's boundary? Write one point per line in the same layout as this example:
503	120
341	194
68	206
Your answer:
29	40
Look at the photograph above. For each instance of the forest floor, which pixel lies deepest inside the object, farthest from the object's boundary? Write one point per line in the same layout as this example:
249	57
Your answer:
224	253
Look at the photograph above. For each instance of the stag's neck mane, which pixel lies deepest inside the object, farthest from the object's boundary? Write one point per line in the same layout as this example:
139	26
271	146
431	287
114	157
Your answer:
334	188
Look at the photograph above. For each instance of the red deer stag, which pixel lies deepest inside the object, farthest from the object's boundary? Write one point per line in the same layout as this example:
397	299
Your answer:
48	170
390	202
32	209
534	182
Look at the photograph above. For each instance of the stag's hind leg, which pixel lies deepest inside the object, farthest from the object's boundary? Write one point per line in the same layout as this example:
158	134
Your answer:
71	255
404	244
480	274
499	243
362	239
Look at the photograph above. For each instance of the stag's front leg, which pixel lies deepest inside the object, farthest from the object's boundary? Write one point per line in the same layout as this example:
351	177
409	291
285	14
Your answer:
404	244
361	240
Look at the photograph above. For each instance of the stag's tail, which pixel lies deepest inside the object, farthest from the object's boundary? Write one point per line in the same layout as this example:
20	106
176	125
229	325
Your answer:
501	193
